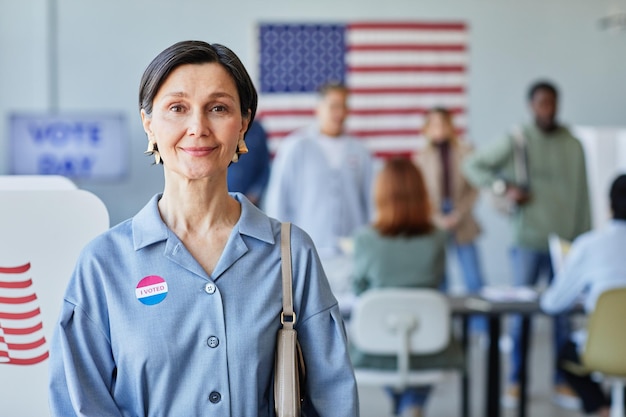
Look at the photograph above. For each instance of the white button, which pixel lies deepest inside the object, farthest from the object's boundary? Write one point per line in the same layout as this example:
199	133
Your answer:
210	288
213	342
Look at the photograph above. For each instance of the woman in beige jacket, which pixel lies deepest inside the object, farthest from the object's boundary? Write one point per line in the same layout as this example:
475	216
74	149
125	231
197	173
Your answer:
451	196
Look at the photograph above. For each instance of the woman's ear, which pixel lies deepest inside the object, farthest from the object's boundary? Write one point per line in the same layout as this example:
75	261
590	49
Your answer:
245	122
146	121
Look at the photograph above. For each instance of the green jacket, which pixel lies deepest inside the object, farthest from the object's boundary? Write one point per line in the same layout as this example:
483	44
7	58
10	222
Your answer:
557	181
381	261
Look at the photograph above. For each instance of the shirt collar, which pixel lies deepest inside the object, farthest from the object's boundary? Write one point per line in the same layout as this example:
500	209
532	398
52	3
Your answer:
616	223
534	131
149	228
253	222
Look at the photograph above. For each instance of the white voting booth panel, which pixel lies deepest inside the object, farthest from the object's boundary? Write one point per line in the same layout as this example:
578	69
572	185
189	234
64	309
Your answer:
41	235
605	157
35	182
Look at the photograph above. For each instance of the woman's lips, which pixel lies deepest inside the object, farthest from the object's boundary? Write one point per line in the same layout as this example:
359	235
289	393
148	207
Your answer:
199	150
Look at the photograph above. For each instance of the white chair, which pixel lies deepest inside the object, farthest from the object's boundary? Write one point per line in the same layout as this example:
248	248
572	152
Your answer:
400	323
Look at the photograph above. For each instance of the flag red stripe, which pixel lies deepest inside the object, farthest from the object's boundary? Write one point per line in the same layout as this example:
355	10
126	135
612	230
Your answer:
277	134
20	316
401	111
388	154
18	300
407	48
391	132
30	361
27	346
393	154
407	25
27	330
409	90
385	132
16	284
15	269
358	112
408	68
291	112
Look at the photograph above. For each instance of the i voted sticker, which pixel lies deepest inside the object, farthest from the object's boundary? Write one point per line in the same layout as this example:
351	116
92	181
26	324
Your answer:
151	290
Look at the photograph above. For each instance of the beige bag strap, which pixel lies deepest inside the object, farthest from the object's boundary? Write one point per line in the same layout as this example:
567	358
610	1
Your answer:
287	317
519	156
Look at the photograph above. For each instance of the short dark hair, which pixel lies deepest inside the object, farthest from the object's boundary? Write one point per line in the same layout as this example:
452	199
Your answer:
197	52
618	197
329	86
542	85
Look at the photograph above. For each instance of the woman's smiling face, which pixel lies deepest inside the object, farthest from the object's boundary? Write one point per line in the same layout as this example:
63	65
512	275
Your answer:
196	121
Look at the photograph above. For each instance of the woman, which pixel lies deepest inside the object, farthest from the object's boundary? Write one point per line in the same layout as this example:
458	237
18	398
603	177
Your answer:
400	249
453	198
175	311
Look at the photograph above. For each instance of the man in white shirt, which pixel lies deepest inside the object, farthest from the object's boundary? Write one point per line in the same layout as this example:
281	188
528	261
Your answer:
594	264
321	178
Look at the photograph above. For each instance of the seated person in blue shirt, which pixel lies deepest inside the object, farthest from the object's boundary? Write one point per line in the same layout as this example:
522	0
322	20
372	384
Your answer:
595	263
175	311
250	177
401	248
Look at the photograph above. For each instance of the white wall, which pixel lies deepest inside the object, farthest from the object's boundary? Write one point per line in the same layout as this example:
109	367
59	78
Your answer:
105	45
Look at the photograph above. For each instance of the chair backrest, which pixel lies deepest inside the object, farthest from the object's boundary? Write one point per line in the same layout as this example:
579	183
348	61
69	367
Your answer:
381	318
605	349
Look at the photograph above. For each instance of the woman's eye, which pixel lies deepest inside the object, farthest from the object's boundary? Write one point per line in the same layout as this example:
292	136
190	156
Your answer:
218	108
176	108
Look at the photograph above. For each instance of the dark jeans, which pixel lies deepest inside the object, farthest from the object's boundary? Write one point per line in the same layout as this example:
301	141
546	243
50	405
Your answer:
528	266
410	397
589	391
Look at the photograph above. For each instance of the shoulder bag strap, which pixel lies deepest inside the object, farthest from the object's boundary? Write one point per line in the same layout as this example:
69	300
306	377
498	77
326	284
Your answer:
520	158
288	317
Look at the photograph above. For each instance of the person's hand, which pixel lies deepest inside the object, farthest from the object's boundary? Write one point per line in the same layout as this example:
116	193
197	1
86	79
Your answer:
518	195
446	222
449	221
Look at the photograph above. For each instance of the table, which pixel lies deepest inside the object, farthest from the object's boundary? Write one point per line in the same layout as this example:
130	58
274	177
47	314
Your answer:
467	305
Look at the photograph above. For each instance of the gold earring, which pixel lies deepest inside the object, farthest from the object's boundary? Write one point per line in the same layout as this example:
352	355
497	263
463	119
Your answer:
241	149
153	150
241	146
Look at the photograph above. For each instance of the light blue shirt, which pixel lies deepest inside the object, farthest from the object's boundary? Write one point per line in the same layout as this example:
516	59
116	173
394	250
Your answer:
595	263
328	203
190	344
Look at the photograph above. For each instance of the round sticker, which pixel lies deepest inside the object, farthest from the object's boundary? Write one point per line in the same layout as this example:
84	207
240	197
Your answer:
151	290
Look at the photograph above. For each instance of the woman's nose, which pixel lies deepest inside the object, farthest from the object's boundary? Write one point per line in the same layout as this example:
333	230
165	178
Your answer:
198	124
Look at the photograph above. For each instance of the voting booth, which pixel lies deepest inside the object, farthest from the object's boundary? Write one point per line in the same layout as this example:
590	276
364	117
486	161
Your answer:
42	232
605	157
35	182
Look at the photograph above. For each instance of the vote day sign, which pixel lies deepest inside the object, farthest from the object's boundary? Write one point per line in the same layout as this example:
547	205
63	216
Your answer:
80	146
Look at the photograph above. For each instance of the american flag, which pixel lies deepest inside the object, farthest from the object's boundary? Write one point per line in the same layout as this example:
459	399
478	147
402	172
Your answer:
395	71
22	340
